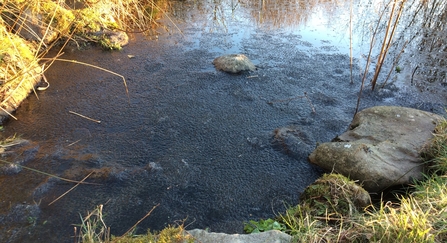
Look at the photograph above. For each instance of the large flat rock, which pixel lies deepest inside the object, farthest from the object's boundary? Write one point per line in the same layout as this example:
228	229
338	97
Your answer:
272	236
381	147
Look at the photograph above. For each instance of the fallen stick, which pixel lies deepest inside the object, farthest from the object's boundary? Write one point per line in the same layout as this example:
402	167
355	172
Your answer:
88	118
48	174
70	189
139	221
310	103
73	143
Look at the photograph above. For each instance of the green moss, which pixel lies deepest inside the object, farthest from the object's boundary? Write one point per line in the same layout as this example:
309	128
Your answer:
13	45
92	20
56	16
17	55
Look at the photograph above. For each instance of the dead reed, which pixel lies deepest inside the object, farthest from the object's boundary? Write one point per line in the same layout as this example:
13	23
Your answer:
390	30
395	9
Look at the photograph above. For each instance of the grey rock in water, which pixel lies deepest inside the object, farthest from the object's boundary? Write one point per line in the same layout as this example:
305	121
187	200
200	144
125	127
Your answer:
293	141
234	63
381	148
271	236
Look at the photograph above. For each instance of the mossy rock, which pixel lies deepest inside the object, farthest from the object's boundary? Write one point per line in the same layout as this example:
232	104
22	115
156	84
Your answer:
334	196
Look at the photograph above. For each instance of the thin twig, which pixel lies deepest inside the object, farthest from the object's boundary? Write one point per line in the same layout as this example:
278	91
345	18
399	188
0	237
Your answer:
3	109
93	66
47	174
286	100
394	64
73	143
70	189
329	218
310	103
388	39
139	221
368	61
86	117
412	75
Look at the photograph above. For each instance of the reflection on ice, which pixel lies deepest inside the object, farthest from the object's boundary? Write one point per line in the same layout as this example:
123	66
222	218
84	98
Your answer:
416	47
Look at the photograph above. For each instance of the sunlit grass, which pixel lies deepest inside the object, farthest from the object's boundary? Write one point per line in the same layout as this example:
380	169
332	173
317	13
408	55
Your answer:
93	229
407	221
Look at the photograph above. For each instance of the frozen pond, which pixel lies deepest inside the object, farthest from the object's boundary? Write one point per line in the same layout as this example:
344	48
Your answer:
194	140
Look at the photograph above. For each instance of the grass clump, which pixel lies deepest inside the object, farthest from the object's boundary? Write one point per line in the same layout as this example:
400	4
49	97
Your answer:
328	212
93	229
407	221
334	196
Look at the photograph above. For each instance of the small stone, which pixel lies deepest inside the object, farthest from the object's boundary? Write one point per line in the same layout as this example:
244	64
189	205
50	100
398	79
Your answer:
234	63
112	39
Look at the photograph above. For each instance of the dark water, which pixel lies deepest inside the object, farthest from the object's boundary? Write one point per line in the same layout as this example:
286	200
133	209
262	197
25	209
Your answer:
194	140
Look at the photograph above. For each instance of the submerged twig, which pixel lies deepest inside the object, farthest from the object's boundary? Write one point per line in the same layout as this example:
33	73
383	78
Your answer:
48	174
139	221
295	98
93	66
86	117
310	103
73	143
65	193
